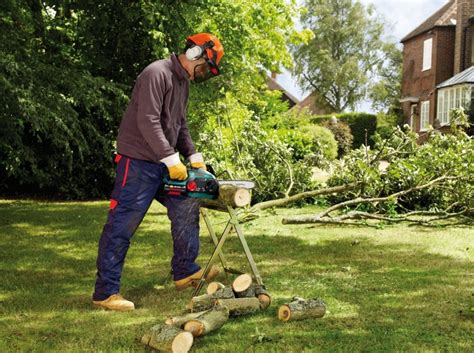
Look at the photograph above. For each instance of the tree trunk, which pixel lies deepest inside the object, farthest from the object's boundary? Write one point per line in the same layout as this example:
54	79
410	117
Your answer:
301	308
166	338
229	195
207	322
240	306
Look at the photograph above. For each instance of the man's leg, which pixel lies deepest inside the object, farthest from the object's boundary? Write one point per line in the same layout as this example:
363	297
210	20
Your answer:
184	216
135	186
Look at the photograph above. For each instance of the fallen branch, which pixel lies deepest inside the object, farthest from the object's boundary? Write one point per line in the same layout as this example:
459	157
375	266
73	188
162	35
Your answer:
348	219
287	200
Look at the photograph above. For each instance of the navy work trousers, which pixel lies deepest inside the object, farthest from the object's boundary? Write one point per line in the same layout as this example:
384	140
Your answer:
136	185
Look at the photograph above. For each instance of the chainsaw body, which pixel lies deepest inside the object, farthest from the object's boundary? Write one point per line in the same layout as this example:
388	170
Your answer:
200	184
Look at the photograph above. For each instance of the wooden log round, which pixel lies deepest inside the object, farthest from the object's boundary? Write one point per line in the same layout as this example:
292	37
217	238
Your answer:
301	308
208	322
240	306
180	320
207	301
167	338
242	283
229	195
214	287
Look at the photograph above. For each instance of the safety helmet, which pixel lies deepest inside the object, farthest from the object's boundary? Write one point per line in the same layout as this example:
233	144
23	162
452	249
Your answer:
207	46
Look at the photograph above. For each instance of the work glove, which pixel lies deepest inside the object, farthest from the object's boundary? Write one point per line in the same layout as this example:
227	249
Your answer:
176	169
197	161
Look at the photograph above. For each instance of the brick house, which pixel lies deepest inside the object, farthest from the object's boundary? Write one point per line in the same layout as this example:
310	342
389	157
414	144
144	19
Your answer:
438	71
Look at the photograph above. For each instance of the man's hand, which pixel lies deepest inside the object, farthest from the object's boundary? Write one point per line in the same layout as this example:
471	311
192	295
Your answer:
176	169
197	161
199	165
178	172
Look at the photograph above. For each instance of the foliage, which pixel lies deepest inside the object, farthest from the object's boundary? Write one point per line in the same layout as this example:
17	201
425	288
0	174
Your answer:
343	136
344	53
250	152
323	140
385	93
66	69
386	123
450	155
362	125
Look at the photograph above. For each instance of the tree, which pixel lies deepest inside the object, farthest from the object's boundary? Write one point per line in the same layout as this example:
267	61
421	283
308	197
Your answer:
67	69
344	53
385	94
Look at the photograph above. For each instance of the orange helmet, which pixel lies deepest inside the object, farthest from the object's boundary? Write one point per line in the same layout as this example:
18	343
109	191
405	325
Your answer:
205	45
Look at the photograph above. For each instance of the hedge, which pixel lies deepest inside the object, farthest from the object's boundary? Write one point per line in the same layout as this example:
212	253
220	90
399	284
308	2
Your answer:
359	123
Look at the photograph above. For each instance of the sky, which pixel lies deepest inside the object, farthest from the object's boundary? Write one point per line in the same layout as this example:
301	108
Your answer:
402	16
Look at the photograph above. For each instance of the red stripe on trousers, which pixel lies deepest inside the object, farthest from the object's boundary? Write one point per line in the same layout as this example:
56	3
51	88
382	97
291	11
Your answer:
126	172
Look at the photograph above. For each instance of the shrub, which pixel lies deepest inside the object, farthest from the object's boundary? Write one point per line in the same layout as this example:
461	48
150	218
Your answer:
301	144
359	123
343	135
324	141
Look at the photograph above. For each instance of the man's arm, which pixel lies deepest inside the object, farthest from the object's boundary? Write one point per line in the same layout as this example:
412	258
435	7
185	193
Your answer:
151	93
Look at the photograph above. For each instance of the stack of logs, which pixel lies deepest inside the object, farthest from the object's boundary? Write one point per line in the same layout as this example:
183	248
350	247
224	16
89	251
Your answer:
210	311
207	313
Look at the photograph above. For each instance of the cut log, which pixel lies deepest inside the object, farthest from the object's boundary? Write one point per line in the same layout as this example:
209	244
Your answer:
242	283
206	301
180	320
229	195
207	322
301	308
166	338
240	306
201	303
214	287
258	291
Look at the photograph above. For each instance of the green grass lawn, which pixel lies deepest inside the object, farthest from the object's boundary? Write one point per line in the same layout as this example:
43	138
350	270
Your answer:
395	289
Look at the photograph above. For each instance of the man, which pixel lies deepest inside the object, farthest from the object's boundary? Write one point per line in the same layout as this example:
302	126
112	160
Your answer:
152	135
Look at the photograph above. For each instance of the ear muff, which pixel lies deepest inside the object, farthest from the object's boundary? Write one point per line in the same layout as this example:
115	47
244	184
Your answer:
195	52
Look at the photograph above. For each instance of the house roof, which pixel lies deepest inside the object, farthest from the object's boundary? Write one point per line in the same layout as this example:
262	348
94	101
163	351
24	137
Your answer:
274	85
314	104
467	76
444	17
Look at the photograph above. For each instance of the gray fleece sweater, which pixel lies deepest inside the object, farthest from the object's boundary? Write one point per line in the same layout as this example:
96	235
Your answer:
154	125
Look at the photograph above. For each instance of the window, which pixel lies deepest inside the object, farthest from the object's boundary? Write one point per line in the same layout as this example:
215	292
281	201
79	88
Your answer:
427	53
449	99
425	115
413	116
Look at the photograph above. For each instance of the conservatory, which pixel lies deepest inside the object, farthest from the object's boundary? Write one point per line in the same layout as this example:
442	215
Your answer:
455	93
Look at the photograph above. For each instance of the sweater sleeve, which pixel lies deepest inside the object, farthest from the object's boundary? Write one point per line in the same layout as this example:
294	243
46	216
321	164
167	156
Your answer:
185	144
151	93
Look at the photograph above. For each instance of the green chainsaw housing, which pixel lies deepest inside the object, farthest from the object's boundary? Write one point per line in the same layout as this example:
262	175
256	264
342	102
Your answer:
200	184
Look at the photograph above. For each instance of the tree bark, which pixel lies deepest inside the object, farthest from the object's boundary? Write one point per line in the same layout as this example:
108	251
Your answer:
301	308
208	321
180	320
240	306
207	301
166	338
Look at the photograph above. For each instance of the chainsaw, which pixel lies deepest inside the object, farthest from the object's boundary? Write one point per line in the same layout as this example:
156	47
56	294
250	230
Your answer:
200	184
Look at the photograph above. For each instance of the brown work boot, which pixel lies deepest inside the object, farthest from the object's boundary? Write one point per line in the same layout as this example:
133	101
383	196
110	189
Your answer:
193	279
115	302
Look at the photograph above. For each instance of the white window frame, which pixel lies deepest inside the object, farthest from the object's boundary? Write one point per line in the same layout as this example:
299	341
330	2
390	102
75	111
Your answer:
427	54
425	115
412	120
452	98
